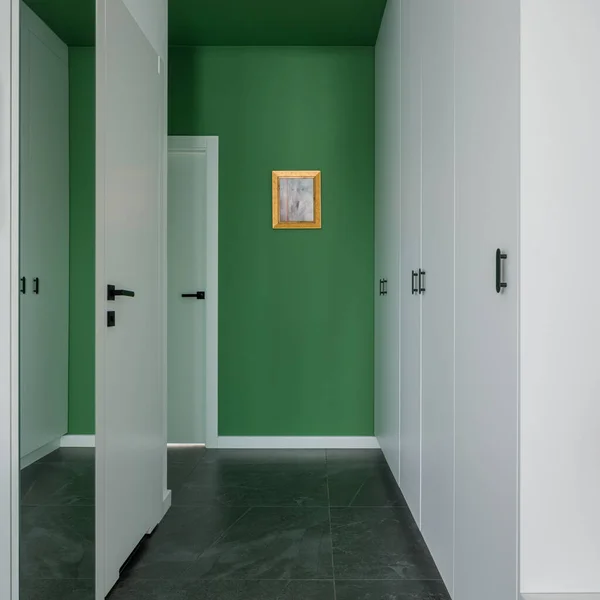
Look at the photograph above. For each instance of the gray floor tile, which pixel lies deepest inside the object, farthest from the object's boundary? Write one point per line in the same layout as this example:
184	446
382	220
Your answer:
379	543
180	539
391	590
85	455
57	542
254	457
356	457
271	543
362	484
224	590
55	589
255	485
58	484
189	456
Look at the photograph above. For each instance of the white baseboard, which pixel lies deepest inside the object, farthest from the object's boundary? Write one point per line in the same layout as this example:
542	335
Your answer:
78	441
36	455
296	443
560	596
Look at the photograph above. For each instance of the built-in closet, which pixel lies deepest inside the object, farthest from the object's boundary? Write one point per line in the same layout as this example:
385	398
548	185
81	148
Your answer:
498	412
44	237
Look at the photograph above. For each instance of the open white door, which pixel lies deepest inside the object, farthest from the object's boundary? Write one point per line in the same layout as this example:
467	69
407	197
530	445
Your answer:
9	299
130	399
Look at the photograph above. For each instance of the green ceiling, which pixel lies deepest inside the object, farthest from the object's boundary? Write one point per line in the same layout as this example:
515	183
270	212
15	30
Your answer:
236	22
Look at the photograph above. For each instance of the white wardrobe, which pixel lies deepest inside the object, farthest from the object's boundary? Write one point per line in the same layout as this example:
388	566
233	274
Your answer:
499	411
44	237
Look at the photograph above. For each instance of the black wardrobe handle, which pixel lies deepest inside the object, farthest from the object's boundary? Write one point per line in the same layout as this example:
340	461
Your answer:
415	289
112	293
422	281
23	285
197	295
36	285
500	285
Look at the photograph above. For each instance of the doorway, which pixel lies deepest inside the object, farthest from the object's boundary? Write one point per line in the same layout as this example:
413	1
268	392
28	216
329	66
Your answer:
193	249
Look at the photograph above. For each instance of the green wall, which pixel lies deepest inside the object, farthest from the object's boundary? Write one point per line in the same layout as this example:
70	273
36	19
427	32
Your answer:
82	235
295	307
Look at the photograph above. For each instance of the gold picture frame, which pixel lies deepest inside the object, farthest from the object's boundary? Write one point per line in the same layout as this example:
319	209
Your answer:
296	199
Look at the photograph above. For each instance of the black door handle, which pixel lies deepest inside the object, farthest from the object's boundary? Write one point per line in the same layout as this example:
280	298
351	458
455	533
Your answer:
23	285
36	285
112	293
422	281
197	295
413	284
500	256
381	287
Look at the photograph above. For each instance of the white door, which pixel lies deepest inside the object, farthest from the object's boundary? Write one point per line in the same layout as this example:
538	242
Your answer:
437	505
130	409
44	234
387	237
487	201
187	289
410	416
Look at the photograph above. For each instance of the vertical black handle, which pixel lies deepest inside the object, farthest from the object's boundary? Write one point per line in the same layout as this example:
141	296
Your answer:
500	285
23	285
385	282
415	289
36	285
422	281
381	287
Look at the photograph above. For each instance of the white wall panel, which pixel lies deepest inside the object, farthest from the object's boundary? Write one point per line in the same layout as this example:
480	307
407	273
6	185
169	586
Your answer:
560	321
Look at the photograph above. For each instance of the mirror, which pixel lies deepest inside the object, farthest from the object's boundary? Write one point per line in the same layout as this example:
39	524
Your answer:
57	233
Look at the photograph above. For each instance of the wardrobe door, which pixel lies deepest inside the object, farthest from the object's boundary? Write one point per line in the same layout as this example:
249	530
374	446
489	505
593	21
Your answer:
437	506
387	223
487	83
44	239
410	381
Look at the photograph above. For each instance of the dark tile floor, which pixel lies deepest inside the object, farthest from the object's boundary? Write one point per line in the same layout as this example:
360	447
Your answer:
262	525
57	527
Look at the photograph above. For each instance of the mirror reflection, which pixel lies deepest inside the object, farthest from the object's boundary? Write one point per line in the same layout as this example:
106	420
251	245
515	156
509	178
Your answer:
57	189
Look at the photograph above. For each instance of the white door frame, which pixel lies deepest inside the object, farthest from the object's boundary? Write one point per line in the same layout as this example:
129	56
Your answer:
210	146
9	299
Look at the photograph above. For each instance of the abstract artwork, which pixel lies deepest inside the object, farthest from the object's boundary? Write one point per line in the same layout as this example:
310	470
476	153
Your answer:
297	199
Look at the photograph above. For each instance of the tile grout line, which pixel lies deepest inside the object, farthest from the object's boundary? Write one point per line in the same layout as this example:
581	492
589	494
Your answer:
330	526
227	530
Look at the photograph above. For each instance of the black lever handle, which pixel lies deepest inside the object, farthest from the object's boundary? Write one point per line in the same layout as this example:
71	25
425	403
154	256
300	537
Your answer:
385	282
422	281
23	285
500	285
197	295
36	285
414	289
112	293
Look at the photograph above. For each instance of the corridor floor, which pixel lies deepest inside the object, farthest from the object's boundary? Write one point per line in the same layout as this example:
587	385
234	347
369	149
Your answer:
280	525
283	525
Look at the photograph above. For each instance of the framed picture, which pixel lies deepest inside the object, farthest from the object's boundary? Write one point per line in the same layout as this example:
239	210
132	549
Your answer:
296	199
